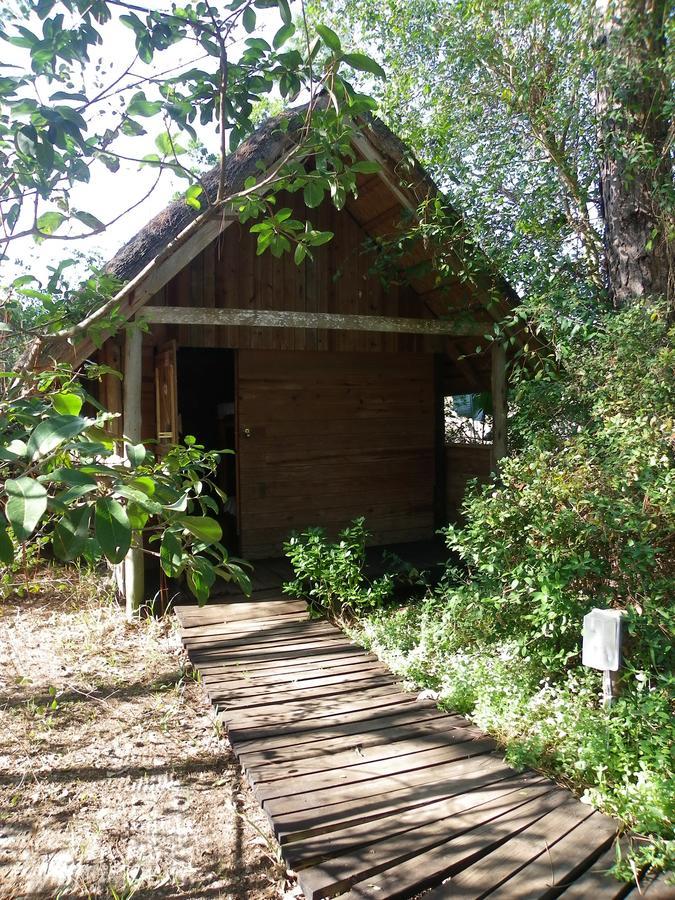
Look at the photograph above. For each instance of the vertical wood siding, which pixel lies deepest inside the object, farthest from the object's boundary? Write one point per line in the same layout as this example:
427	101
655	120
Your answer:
334	436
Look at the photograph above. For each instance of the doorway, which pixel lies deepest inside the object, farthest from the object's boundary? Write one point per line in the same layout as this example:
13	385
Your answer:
206	410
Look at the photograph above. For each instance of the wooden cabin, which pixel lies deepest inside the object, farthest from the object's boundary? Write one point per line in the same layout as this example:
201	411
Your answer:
326	379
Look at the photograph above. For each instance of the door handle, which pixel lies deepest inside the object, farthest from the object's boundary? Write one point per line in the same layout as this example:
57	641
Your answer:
247	432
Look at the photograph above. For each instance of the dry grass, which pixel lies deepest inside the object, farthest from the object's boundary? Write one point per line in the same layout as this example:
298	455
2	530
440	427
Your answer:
115	782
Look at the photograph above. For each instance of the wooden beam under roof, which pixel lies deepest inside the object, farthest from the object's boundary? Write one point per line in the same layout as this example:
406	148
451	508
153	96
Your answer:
281	318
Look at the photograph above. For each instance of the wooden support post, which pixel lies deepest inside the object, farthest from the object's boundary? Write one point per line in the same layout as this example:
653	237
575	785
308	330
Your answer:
440	474
133	368
499	409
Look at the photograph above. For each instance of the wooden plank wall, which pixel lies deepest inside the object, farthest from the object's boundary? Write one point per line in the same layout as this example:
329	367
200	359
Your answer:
229	274
334	436
463	462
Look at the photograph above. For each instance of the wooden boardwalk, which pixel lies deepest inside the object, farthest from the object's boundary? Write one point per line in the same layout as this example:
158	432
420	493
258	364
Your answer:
373	793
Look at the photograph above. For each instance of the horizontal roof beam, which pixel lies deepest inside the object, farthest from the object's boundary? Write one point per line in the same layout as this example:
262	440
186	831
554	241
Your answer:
282	318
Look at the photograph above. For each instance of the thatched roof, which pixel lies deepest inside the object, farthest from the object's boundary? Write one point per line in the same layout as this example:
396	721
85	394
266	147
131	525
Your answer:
136	263
259	151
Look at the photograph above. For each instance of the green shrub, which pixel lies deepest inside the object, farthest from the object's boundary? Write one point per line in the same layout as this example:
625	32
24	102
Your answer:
619	759
332	577
581	516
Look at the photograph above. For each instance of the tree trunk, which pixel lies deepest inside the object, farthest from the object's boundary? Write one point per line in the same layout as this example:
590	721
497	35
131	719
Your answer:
636	163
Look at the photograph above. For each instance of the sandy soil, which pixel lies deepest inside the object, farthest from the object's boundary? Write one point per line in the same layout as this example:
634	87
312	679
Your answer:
114	779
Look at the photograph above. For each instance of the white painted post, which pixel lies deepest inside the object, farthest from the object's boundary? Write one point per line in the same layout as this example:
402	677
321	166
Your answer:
499	409
133	368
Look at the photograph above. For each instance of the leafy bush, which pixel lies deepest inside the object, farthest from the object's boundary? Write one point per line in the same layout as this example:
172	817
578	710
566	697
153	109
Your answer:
332	576
582	516
619	759
66	483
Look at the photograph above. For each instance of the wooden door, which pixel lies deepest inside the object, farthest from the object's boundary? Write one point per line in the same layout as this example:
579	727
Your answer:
166	397
326	437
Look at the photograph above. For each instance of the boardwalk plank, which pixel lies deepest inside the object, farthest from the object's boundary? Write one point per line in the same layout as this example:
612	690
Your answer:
370	800
596	883
257	626
305	678
218	613
444	775
468	836
269	665
345	728
275	715
332	723
298	646
419	742
361	744
318	848
388	768
253	700
255	655
274	634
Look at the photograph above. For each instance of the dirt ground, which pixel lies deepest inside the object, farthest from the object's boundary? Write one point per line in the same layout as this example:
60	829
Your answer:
114	779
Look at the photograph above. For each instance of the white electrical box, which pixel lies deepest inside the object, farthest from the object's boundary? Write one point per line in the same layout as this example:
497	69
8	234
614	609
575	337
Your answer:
602	639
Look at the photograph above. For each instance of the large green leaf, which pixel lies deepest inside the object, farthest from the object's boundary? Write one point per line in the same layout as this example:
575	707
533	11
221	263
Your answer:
140	106
66	403
16	449
73	477
6	547
364	64
135	454
70	533
200	578
54	431
313	194
171	554
329	37
203	528
48	222
26	504
113	530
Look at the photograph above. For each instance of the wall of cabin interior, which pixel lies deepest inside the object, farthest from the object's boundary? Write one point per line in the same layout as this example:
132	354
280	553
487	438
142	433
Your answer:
341	423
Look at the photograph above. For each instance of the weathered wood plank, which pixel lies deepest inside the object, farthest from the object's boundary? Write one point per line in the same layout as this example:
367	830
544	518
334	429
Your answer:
362	744
276	715
227	636
251	700
282	681
267	640
407	748
344	728
471	834
596	883
377	769
318	848
268	665
369	801
495	871
284	318
221	613
335	719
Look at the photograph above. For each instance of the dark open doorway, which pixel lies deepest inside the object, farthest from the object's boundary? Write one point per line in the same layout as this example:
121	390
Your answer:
206	398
